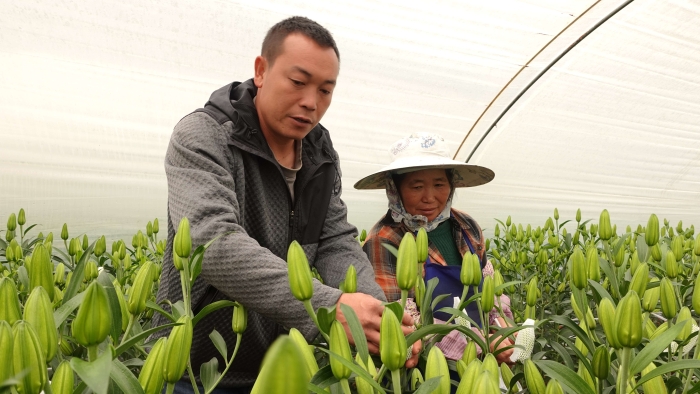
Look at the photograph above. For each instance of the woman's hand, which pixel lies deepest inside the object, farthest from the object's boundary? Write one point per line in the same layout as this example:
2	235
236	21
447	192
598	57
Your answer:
504	356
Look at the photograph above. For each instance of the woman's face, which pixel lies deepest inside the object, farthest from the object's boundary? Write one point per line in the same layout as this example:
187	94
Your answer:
425	192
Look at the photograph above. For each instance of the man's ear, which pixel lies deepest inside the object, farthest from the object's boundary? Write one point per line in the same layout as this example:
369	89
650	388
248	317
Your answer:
260	70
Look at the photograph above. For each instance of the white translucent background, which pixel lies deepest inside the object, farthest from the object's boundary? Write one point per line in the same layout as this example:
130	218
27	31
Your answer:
90	92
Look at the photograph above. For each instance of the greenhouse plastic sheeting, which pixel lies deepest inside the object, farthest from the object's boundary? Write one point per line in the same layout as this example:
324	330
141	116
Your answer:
90	92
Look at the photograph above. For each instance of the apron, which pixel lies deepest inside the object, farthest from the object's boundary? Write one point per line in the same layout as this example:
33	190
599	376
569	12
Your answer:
449	283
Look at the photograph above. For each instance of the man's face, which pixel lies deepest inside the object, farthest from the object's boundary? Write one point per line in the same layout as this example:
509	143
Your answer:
296	90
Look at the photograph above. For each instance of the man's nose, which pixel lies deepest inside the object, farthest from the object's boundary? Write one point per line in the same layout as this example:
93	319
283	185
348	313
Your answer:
308	99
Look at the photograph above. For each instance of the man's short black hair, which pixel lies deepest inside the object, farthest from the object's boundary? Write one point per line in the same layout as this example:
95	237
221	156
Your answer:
272	44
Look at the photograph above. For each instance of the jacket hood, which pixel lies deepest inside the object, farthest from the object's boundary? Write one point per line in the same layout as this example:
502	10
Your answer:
234	102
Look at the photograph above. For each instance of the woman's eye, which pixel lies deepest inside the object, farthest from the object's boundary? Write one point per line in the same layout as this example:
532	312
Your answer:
297	83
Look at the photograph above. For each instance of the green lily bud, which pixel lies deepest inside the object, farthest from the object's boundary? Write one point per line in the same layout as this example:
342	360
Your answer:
177	350
641	279
607	317
487	294
416	379
59	275
671	265
619	257
548	224
300	281
350	282
497	231
308	355
601	363
654	385
508	221
41	270
655	252
183	240
677	247
669	307
579	272
28	356
604	227
466	273
21	217
533	378
628	321
151	376
93	321
149	229
282	370
363	386
475	265
651	297
63	379
670	233
6	349
469	377
532	292
9	235
634	263
553	239
469	353
498	281
507	375
484	384
239	321
695	303
38	311
491	365
578	215
588	318
91	271
85	243
553	387
422	245
651	235
123	308
406	268
593	230
100	246
64	232
556	214
436	366
339	345
141	289
10	253
684	317
696	246
419	291
156	228
593	264
487	244
392	343
12	222
74	247
122	250
177	262
461	368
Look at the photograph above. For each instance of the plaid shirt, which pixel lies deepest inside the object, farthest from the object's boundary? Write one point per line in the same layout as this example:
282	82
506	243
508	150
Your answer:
389	232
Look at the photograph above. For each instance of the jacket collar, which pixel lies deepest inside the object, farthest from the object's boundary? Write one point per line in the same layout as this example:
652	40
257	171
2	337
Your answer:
234	102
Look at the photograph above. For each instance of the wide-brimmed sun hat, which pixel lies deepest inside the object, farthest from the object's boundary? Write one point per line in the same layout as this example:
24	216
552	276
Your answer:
421	151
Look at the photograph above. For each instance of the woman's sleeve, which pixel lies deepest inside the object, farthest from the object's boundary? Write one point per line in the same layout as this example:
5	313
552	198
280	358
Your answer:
384	264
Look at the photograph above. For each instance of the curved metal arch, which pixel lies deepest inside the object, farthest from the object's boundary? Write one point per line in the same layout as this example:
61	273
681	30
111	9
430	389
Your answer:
538	76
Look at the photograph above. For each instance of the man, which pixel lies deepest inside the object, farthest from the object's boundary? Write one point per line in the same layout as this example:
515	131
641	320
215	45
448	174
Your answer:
256	162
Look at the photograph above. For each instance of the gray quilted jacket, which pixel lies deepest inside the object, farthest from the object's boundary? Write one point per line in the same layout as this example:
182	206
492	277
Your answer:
223	177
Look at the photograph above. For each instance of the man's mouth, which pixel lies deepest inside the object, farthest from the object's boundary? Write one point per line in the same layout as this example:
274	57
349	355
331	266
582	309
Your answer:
302	119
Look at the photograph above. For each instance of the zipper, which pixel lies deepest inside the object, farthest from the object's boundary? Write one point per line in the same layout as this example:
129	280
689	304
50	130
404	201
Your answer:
291	227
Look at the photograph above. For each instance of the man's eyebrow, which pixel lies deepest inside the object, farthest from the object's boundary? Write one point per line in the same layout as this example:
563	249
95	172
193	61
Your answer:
308	74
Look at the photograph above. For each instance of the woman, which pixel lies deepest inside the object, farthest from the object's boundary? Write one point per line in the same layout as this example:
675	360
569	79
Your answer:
420	183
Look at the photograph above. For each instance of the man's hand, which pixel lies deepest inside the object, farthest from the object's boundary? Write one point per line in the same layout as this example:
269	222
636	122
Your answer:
369	312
